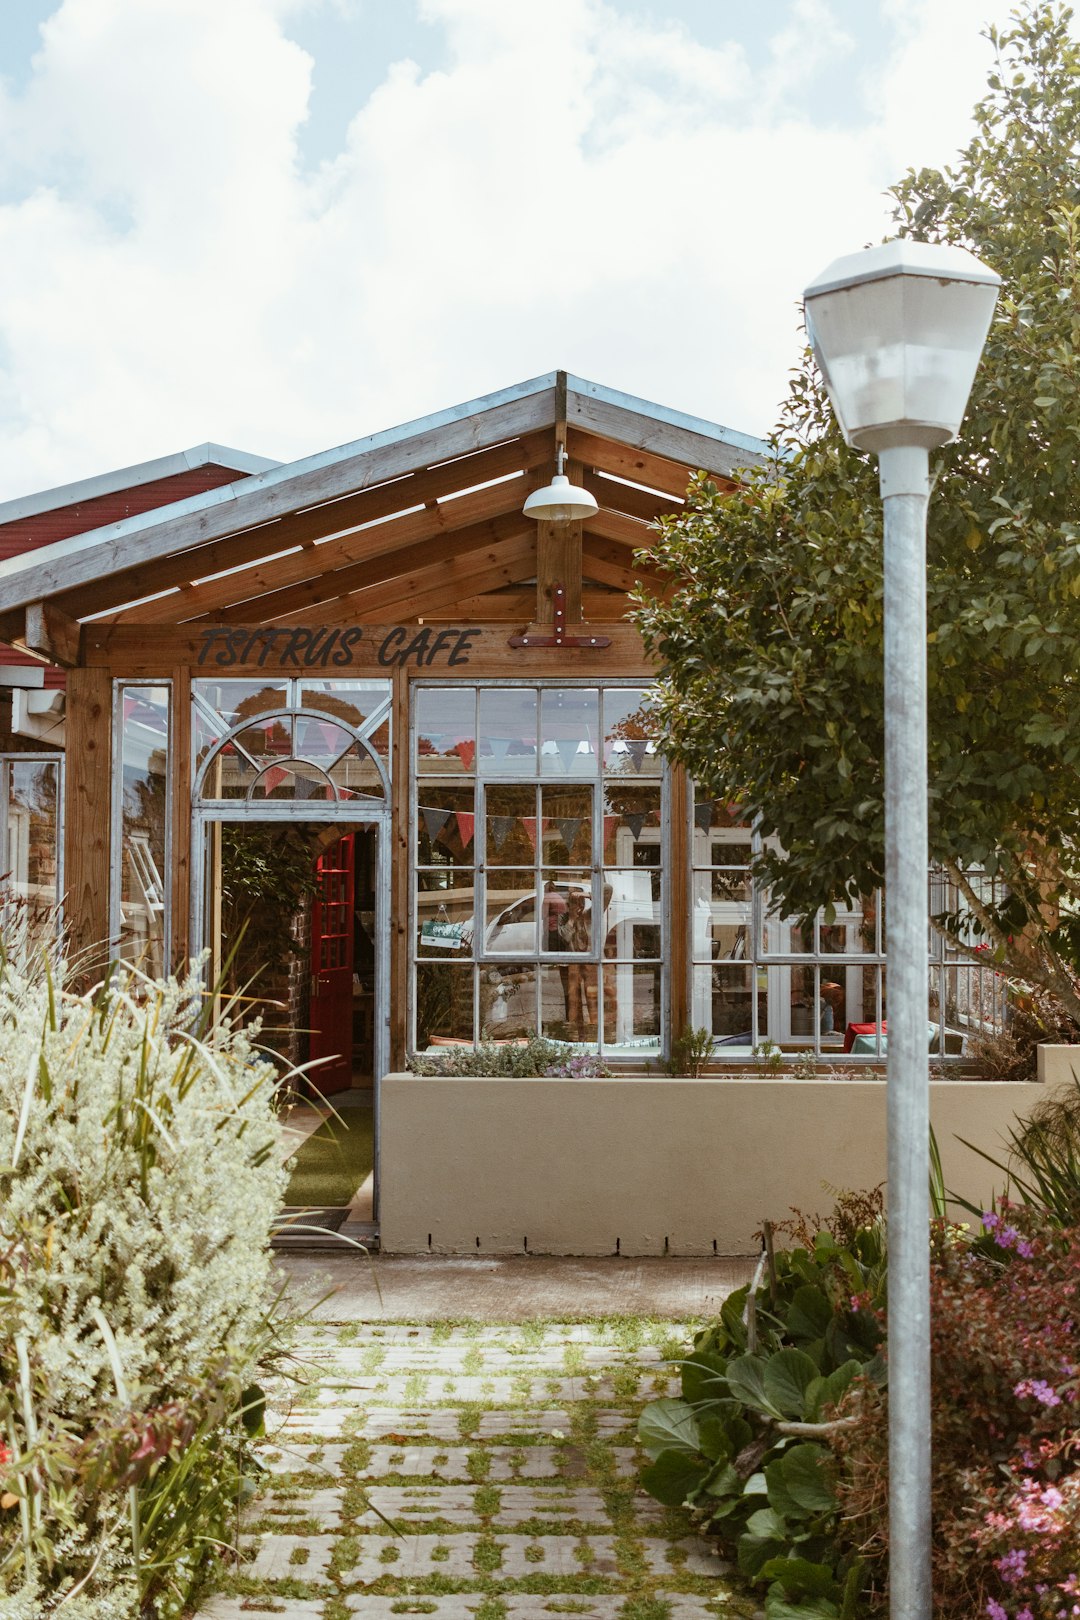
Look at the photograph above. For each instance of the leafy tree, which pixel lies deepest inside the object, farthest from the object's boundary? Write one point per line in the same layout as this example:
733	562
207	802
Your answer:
771	642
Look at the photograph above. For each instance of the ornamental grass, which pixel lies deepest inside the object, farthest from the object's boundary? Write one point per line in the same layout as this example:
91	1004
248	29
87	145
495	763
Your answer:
139	1177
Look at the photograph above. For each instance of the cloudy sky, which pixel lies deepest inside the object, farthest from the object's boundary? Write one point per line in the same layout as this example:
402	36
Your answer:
282	224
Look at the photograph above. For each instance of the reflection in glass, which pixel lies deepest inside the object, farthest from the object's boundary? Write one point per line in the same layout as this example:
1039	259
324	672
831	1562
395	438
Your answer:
269	740
31	859
569	998
723	998
444	914
445	730
321	741
444	1005
507	731
511	913
352	701
566	825
631	1007
631	822
569	729
632	914
629	727
508	1001
293	779
566	912
144	810
510	826
445	826
356	775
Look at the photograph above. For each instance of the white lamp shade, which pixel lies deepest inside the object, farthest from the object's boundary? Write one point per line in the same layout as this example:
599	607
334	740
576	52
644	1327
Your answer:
898	331
560	502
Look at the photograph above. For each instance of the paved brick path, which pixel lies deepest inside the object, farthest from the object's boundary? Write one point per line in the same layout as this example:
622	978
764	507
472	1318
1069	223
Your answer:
504	1460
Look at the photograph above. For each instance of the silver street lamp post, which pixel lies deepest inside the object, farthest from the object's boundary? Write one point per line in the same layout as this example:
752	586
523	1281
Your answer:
897	331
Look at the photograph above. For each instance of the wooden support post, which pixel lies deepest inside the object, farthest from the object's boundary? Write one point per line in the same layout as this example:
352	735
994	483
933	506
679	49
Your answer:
53	635
88	801
558	562
400	858
680	902
180	727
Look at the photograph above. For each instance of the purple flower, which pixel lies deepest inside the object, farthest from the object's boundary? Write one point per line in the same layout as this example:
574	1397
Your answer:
1026	1250
995	1611
1039	1390
1012	1566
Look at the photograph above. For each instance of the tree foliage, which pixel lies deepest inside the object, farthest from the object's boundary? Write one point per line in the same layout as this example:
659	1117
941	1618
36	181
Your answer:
771	640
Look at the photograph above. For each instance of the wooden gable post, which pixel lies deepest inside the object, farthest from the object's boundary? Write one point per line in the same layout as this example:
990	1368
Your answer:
87	805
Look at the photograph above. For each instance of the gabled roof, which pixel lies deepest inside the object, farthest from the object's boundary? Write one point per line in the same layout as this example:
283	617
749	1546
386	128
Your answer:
399	523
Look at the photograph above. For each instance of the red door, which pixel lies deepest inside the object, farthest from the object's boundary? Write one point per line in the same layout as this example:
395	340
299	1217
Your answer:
332	921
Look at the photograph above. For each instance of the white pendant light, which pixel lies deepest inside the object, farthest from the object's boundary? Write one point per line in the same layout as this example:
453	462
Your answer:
560	501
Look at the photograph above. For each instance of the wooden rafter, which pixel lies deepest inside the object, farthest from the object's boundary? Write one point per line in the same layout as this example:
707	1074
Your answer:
616	496
640	466
614	565
422	593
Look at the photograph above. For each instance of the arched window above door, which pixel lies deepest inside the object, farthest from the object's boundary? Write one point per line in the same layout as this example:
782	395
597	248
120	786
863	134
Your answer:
299	740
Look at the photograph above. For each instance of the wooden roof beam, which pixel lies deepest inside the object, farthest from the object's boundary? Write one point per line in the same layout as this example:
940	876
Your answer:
423	593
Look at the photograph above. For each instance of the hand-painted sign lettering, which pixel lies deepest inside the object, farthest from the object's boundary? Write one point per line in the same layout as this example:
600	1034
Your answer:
304	647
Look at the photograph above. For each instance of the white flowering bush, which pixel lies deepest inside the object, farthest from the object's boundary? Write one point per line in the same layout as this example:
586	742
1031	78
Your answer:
139	1178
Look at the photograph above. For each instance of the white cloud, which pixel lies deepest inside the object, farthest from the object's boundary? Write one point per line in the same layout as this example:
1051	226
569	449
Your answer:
576	187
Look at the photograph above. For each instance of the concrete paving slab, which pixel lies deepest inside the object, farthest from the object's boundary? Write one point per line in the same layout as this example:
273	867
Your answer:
279	1557
521	1289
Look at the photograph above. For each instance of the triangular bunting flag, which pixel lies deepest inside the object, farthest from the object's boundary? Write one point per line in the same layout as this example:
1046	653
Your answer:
703	814
568	747
305	788
636	748
635	822
273	778
610	825
500	830
529	824
499	746
568	831
466	826
465	749
434	820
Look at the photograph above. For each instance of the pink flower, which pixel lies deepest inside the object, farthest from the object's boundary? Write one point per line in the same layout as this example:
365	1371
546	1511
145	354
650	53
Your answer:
1039	1390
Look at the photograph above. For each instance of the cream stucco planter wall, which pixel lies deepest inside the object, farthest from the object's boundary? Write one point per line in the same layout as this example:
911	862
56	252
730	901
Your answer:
652	1166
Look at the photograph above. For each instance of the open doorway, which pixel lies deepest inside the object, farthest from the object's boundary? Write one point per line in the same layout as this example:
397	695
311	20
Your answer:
291	922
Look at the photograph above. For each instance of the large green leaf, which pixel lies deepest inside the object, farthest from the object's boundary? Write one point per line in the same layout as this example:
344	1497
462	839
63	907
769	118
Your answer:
778	1606
753	1551
809	1313
674	1478
804	1477
825	1392
788	1375
746	1380
703	1377
668	1425
801	1577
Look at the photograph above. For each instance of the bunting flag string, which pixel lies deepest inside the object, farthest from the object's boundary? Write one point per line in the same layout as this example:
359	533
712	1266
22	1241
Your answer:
635	820
500	830
569	827
305	788
466	826
274	778
568	748
637	748
703	816
434	820
529	823
499	746
611	824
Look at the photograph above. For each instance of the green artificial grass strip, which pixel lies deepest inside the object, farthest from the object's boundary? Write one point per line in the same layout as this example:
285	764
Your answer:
334	1161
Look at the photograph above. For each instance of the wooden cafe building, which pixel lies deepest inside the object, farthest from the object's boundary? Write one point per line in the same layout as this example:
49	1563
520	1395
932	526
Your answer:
364	726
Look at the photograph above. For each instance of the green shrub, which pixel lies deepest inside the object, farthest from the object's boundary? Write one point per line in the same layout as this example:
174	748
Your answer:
520	1060
139	1176
747	1447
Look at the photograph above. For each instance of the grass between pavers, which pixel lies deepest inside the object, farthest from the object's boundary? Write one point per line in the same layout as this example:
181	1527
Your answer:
586	1449
329	1166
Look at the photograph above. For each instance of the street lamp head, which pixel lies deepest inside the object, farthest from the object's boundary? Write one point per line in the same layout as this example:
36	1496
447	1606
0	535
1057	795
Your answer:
897	331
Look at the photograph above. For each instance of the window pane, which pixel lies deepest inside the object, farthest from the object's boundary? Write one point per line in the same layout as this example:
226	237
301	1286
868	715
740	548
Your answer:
629	726
508	1001
507	731
444	914
566	912
293	779
144	750
321	741
631	1007
631	823
356	774
445	826
445	730
511	826
721	924
633	915
267	741
723	998
511	913
717	822
569	999
569	729
32	850
566	825
444	1005
352	701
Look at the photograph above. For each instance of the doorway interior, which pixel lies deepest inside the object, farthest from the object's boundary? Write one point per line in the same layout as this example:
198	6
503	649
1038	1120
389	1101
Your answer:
290	912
